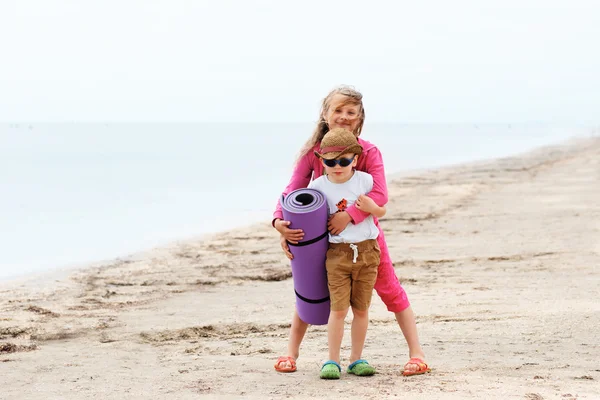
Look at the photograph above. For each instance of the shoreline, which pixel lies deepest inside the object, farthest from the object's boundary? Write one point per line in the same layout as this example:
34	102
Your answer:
63	270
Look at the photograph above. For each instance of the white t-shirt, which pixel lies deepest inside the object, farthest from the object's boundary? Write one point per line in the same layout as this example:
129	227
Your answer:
342	195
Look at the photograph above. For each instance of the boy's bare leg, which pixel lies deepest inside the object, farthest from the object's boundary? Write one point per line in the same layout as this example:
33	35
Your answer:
360	323
335	333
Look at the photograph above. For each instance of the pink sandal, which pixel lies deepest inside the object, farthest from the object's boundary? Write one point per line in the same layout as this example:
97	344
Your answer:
422	367
284	359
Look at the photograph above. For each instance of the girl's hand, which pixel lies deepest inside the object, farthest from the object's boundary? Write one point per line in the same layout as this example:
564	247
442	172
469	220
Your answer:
338	222
286	248
291	235
366	204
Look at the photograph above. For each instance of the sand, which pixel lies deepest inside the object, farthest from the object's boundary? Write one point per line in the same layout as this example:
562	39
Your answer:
501	261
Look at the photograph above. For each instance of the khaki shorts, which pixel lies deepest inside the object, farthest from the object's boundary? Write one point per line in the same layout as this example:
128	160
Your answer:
351	283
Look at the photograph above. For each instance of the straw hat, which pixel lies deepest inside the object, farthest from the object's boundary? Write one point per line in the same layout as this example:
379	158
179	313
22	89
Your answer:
337	142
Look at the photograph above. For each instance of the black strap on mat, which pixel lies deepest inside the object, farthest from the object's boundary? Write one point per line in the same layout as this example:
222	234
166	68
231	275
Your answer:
311	241
323	300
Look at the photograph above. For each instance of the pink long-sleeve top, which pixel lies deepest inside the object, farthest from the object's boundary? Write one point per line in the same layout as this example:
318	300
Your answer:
309	167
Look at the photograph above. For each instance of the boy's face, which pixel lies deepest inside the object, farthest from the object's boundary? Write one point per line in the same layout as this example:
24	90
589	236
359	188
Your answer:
339	173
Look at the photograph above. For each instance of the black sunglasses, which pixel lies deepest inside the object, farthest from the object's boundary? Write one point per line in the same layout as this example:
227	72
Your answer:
343	162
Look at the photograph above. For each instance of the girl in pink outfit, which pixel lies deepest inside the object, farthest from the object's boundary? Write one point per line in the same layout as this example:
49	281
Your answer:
343	108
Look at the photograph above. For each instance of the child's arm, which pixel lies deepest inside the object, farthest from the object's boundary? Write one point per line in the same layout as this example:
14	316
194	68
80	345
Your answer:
300	179
367	204
379	193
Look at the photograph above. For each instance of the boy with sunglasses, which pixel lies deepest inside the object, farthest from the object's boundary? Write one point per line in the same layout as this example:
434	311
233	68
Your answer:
353	255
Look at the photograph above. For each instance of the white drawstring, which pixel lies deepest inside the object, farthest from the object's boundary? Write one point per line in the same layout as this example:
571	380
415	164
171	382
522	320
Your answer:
355	248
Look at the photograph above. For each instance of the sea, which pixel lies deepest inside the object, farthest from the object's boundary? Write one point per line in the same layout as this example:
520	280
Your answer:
72	194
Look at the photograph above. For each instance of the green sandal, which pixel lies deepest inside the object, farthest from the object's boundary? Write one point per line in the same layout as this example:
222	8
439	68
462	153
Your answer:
331	370
361	368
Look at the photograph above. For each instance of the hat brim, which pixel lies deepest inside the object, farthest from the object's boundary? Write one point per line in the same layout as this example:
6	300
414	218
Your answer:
332	155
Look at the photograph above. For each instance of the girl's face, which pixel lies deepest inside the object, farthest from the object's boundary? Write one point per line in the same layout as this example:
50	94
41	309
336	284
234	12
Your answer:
342	116
339	174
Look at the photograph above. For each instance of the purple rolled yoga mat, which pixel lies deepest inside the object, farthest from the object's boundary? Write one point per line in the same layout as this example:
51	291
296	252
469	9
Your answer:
307	209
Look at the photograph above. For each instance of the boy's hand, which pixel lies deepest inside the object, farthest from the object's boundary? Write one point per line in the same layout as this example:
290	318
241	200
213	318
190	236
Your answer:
366	204
292	235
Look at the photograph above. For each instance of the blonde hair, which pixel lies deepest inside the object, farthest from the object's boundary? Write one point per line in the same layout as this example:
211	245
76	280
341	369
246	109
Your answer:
353	97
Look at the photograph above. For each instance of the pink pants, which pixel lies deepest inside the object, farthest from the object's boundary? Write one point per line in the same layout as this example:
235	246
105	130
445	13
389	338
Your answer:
387	285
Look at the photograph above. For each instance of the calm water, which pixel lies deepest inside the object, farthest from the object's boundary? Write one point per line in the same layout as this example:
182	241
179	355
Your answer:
76	193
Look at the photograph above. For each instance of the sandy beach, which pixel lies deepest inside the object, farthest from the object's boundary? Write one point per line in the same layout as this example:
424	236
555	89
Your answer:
500	259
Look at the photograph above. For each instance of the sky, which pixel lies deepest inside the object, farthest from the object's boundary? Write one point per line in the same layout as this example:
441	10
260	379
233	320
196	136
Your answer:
273	61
